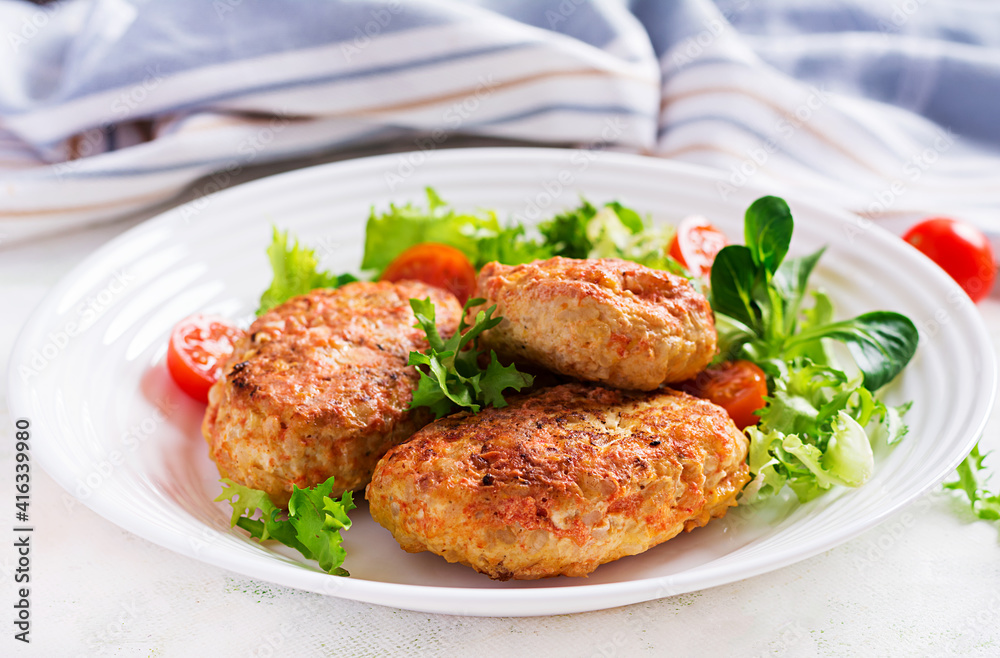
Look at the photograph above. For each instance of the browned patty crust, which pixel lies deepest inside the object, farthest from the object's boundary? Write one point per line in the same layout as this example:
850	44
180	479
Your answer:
319	387
561	481
608	321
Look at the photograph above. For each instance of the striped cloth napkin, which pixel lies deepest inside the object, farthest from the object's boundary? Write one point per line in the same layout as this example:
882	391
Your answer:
889	109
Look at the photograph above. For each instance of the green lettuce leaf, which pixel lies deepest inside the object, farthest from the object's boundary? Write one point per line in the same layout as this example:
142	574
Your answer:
849	456
760	290
792	281
318	520
611	231
451	378
768	231
734	279
497	378
312	525
972	481
478	235
566	233
817	430
295	272
881	342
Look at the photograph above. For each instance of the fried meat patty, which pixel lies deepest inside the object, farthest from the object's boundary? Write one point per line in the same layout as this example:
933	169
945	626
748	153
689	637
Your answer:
609	321
561	481
319	387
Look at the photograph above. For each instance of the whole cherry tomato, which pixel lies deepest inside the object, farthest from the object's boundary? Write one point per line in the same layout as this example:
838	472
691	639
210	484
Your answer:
960	249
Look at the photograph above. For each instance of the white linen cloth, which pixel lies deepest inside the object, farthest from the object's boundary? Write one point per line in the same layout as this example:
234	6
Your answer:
887	108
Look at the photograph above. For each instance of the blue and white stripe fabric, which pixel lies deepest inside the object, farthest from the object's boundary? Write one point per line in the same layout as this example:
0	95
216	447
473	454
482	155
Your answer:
888	109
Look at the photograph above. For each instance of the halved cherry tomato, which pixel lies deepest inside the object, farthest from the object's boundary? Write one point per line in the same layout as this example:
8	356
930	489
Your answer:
696	244
199	346
960	249
738	387
436	264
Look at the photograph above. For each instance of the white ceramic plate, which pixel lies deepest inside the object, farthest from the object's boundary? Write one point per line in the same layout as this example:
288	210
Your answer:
110	426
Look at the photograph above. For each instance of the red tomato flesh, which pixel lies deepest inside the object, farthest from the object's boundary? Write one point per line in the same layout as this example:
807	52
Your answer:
739	387
199	346
960	249
437	265
696	244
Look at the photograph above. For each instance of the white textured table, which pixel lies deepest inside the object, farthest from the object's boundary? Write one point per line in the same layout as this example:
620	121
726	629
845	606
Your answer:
925	582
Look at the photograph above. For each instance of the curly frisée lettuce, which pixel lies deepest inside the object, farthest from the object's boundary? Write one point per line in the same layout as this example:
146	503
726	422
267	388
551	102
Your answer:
452	378
818	425
972	480
817	431
311	526
296	272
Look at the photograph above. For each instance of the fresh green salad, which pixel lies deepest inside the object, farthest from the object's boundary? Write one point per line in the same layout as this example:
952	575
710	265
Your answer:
822	417
611	231
820	422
